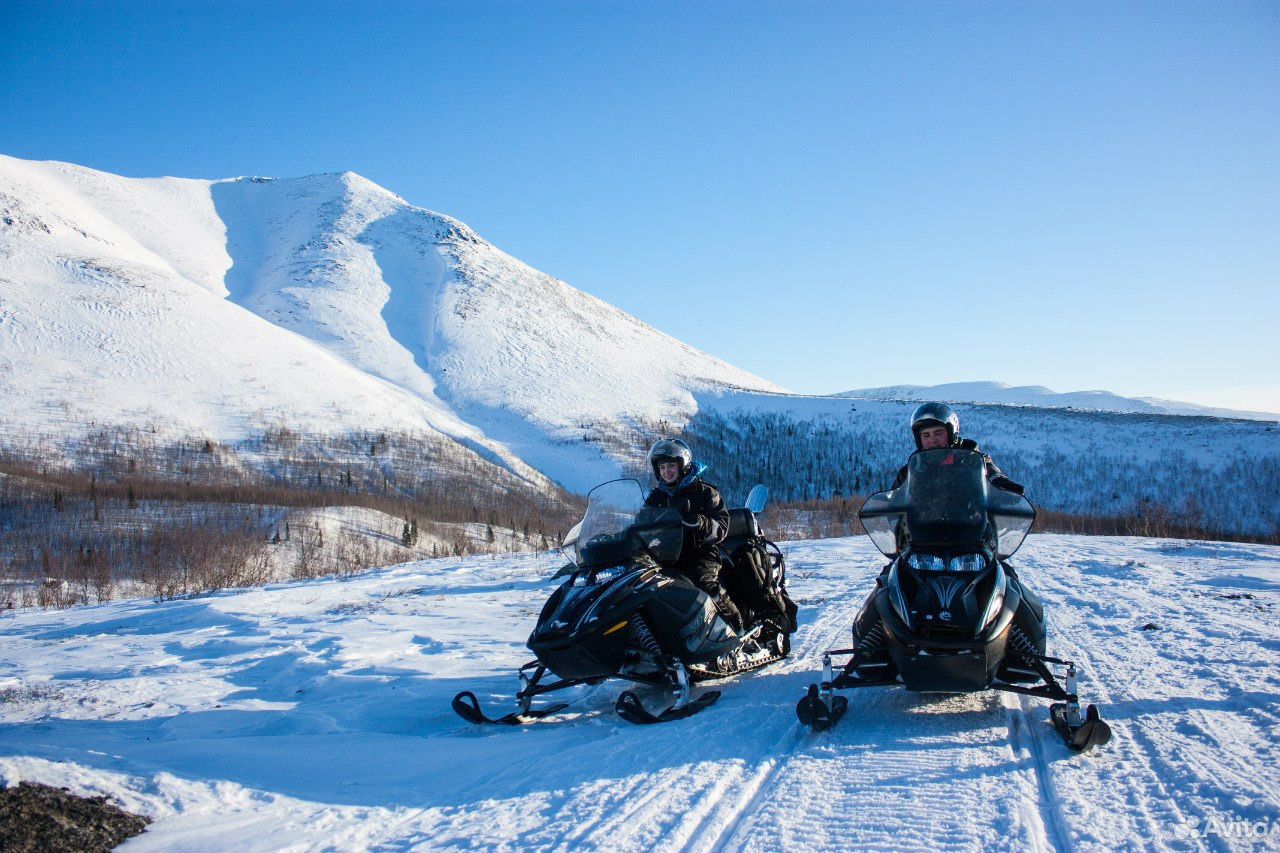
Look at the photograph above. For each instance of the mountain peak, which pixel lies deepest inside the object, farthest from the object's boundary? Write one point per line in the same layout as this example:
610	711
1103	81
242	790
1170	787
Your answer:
326	301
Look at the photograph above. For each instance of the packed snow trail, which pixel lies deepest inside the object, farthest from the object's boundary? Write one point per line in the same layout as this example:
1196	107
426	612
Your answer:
315	716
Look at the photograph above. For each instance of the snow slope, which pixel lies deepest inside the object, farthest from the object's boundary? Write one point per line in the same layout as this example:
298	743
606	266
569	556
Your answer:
315	717
328	303
1042	397
325	302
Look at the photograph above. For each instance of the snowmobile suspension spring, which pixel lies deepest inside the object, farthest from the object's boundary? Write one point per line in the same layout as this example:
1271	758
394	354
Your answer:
644	637
872	638
1022	643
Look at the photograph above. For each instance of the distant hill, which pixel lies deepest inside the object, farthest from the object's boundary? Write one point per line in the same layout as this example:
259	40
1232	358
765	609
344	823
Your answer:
1001	393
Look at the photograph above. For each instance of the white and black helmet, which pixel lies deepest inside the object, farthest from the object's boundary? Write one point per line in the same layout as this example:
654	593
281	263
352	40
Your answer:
670	450
934	415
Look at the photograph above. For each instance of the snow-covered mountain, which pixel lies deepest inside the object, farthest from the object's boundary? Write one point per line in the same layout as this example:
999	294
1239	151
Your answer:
324	302
1000	393
314	716
328	304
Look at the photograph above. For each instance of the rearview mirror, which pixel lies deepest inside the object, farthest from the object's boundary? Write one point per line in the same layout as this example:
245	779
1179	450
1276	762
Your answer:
758	498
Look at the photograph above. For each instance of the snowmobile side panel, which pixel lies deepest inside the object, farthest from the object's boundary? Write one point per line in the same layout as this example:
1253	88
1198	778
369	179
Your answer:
687	623
581	636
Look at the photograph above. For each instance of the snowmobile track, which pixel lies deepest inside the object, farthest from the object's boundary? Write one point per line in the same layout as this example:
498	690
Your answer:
1024	740
756	791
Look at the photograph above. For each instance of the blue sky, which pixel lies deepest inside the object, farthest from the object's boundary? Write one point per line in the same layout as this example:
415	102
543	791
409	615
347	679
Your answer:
831	195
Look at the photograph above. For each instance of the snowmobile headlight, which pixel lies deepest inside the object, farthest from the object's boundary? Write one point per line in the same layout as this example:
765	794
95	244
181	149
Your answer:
606	575
927	563
967	563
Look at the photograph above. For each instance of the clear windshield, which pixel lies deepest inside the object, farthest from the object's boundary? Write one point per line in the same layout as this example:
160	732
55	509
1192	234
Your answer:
617	524
946	501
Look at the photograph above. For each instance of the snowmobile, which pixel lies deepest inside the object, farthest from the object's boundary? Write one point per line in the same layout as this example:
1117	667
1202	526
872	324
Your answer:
618	615
948	614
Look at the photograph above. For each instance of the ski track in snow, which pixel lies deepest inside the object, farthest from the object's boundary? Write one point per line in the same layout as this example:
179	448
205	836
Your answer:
315	717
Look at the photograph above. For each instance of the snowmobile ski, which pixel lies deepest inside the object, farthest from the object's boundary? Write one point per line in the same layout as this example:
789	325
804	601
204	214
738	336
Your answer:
1080	735
630	709
467	706
821	713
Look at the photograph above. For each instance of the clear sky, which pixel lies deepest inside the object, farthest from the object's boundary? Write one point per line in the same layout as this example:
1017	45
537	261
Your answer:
831	195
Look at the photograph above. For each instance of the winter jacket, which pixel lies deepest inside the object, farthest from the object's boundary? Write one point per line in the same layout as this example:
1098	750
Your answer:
706	521
994	475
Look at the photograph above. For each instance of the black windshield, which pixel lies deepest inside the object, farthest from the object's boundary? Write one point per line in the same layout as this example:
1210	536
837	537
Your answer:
947	501
946	498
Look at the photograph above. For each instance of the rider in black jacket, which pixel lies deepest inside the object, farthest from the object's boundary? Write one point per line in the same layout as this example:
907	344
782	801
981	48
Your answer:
937	425
705	518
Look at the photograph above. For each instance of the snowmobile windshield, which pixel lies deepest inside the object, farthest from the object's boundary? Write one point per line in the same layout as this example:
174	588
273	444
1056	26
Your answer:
617	525
946	501
1012	516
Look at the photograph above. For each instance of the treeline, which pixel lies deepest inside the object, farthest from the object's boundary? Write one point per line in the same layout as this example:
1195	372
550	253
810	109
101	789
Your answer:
122	508
1085	472
839	517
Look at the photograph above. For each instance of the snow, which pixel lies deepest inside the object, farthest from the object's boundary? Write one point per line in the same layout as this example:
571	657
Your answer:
329	304
324	302
314	716
1037	395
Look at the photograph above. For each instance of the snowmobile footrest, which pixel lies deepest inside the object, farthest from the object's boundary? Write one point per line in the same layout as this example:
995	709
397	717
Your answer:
629	708
816	713
1084	736
467	706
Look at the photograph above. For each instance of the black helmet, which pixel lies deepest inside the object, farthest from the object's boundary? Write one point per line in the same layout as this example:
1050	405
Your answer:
933	415
670	450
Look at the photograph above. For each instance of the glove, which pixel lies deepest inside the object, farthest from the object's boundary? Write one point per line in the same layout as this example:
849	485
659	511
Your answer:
687	516
1007	485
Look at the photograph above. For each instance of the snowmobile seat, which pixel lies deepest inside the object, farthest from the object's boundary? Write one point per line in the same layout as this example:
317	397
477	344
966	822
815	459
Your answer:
742	523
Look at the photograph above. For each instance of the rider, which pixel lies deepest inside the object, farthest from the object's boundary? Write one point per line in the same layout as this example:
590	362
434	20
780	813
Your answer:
703	513
937	425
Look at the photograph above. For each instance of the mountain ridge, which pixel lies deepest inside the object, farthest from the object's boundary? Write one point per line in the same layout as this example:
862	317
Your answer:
429	320
328	303
1002	393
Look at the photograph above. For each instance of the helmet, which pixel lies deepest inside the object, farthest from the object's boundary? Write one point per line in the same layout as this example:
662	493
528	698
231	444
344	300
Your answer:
933	415
670	450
